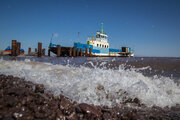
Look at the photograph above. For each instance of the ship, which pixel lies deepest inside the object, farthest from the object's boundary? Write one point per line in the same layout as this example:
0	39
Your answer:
97	46
100	46
8	51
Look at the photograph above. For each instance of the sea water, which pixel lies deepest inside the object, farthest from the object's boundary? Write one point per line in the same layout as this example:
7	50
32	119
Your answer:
102	81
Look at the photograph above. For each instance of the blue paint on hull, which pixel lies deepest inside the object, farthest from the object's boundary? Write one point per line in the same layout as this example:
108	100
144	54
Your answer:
95	50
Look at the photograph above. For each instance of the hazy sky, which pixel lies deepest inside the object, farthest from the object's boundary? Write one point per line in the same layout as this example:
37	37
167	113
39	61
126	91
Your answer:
150	27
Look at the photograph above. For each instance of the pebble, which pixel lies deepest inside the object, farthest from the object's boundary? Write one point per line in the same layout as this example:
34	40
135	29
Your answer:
17	115
90	109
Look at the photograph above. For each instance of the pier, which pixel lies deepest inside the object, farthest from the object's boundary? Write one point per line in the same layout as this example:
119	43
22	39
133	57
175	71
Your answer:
75	52
68	52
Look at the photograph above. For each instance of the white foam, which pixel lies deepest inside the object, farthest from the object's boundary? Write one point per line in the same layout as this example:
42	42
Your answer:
96	85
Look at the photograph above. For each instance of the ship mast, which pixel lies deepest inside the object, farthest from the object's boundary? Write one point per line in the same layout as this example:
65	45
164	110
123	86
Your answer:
102	28
51	38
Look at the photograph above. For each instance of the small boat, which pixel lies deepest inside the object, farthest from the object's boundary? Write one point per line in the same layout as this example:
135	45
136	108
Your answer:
8	51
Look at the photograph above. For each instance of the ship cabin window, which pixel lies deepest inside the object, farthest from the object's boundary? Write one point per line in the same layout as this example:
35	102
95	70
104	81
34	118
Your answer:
97	36
97	45
102	36
102	45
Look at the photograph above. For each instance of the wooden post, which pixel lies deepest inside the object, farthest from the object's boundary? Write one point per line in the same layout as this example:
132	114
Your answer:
29	51
70	52
13	51
74	51
43	51
18	48
39	49
86	52
90	52
35	50
77	51
49	54
58	51
81	53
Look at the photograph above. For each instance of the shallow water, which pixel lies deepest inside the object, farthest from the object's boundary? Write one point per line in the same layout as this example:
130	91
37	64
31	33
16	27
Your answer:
160	66
103	80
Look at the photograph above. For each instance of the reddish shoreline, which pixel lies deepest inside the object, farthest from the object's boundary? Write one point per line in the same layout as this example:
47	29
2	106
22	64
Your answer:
24	100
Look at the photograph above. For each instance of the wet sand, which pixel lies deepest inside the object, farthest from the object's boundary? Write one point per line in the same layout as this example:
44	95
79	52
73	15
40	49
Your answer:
23	100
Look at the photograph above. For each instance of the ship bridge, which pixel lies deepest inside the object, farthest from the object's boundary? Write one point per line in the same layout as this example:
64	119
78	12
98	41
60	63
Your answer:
101	41
101	37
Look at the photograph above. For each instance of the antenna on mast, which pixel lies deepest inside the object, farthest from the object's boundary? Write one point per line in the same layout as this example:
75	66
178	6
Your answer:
78	36
102	27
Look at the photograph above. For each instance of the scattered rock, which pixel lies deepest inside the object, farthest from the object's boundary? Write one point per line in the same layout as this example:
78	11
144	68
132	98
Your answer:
17	115
107	116
89	109
136	100
8	118
100	87
39	88
19	92
66	106
73	116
